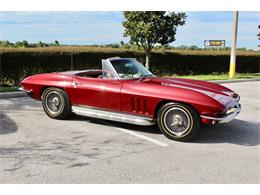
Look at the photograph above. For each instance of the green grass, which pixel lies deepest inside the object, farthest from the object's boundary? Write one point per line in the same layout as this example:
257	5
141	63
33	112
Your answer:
219	76
8	89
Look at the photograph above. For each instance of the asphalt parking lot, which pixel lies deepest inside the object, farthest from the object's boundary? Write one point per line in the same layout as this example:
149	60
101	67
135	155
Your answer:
37	149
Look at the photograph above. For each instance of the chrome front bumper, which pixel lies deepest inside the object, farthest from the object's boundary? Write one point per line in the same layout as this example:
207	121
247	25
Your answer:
22	89
225	118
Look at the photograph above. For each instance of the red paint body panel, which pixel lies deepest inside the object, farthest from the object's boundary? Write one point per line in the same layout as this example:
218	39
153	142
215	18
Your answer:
139	96
154	93
39	82
99	93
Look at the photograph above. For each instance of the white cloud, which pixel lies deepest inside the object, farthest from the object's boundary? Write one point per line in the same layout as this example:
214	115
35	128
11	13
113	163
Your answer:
198	29
106	27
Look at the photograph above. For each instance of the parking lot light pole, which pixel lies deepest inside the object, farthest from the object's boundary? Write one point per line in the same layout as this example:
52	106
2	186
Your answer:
232	68
71	61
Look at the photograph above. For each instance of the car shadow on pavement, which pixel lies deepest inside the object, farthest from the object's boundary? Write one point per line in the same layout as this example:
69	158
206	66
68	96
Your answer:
238	132
148	129
7	125
16	104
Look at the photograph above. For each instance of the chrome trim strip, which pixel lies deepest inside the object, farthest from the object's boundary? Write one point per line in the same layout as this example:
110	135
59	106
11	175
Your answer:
107	61
113	116
22	89
227	118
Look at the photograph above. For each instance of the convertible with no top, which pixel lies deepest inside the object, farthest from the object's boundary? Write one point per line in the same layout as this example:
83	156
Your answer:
125	91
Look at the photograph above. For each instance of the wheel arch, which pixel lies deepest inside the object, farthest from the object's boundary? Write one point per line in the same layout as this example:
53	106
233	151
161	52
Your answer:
46	87
163	102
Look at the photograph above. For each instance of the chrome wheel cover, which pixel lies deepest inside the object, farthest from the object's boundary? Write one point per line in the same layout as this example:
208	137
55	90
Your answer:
177	121
54	102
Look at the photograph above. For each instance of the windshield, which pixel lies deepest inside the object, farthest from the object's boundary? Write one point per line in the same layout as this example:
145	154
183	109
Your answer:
130	69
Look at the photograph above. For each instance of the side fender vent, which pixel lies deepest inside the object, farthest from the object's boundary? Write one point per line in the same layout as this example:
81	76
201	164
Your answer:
139	105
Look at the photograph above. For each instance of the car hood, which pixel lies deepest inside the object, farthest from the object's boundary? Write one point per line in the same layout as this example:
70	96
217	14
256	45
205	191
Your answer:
220	93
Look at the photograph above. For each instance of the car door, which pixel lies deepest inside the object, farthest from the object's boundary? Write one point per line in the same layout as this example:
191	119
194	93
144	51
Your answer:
97	92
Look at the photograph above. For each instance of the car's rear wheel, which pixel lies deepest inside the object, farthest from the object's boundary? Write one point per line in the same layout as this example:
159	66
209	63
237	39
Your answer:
178	122
56	103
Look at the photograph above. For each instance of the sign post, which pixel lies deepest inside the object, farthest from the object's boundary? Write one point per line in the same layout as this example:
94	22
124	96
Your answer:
232	68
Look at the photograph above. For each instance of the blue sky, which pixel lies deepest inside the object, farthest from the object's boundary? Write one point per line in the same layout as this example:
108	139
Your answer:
106	27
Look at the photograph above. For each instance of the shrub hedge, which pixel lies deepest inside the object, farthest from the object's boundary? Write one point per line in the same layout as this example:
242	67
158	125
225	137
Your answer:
16	64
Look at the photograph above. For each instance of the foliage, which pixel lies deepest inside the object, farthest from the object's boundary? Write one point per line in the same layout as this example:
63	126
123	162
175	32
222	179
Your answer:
258	33
6	44
18	63
8	89
56	43
121	44
26	44
147	28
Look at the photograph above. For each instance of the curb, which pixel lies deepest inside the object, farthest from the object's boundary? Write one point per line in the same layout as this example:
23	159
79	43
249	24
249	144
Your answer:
13	94
235	81
24	94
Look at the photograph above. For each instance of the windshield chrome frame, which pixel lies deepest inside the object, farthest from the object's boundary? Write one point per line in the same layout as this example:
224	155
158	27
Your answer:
110	65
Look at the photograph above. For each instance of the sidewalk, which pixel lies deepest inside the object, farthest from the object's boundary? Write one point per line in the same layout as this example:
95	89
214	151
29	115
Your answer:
13	94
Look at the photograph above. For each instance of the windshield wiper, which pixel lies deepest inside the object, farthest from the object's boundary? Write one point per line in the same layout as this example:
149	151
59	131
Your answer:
145	76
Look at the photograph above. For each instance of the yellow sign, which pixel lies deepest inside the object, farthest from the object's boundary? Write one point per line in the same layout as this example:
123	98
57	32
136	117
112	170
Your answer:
214	43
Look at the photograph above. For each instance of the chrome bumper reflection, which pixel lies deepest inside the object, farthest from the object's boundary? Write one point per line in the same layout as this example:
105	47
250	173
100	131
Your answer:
234	111
22	89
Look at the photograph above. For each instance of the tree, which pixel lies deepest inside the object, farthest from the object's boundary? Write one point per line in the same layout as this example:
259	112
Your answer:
258	33
151	27
56	43
122	43
41	44
18	44
193	47
25	43
5	44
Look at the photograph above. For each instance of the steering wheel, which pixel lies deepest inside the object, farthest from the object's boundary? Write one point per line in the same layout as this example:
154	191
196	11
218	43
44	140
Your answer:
129	72
137	75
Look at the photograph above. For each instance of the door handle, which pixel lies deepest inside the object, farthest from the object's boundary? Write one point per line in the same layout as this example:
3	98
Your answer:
76	83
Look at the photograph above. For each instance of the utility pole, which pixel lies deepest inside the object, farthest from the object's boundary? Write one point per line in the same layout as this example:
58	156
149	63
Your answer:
232	68
71	61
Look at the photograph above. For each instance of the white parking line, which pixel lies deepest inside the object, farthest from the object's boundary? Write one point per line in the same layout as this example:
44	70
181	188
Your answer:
236	88
252	100
162	144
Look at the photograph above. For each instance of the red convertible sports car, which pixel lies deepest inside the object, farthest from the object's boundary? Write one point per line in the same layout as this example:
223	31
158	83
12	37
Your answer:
125	91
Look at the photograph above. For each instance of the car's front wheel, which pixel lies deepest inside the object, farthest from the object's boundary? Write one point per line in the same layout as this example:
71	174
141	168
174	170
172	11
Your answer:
178	122
56	103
